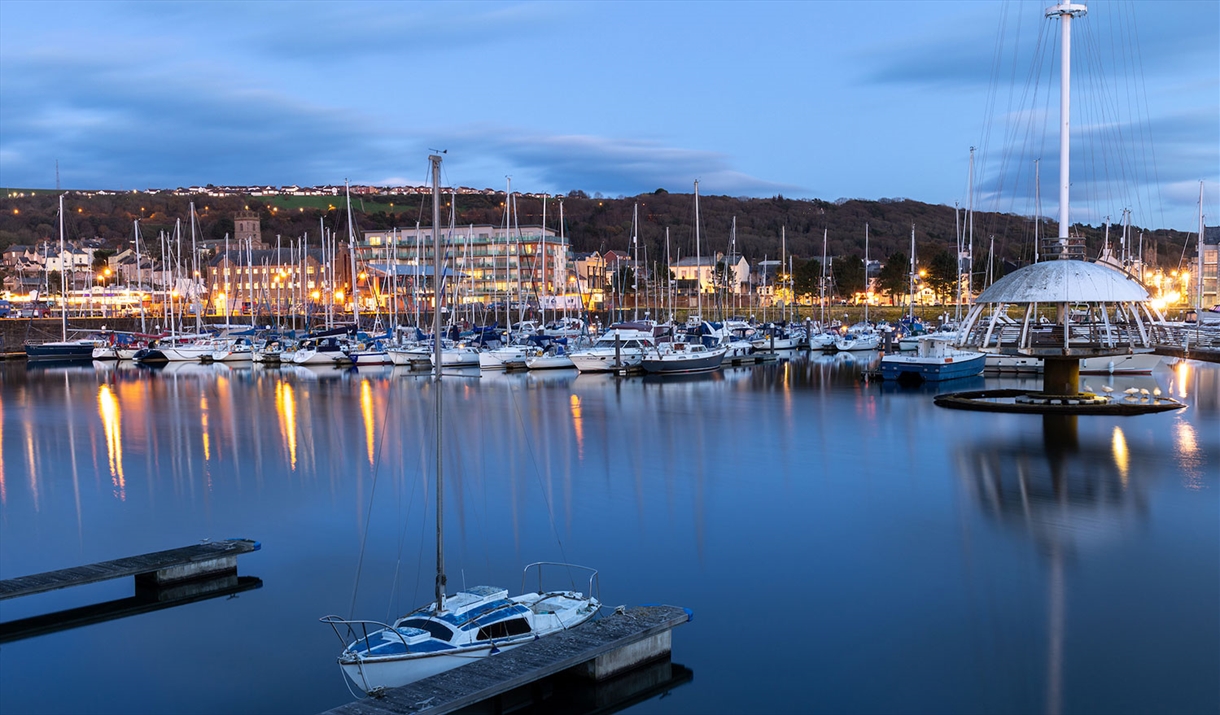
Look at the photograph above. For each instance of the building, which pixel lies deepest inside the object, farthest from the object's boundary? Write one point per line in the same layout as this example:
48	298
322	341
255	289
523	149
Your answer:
246	226
701	272
494	264
1210	253
271	280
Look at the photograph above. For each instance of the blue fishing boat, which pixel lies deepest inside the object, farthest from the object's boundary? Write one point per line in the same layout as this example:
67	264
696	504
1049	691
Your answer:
935	360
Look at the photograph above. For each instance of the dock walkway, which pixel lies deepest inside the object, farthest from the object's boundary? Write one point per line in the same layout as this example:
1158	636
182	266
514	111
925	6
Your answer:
599	649
158	568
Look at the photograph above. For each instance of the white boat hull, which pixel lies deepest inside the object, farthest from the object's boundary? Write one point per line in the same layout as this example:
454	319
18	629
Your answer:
549	362
1134	364
372	675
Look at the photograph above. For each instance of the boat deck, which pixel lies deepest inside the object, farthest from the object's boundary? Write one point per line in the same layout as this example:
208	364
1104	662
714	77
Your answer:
602	648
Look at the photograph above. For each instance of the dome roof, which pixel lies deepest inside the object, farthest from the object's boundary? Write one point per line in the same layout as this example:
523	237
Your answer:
1064	281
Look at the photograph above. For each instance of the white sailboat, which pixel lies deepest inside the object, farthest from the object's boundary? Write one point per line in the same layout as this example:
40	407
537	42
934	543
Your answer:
474	623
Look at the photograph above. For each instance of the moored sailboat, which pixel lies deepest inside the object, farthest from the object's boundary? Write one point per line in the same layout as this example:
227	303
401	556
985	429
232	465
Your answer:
478	622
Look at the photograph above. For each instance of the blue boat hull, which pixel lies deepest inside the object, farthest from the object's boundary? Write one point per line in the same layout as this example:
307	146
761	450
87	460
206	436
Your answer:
931	369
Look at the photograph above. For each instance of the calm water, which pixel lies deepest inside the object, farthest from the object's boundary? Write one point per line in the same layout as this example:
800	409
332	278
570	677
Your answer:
845	547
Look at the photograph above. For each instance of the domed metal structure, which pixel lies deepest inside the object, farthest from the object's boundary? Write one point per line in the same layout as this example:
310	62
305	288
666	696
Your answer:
1097	311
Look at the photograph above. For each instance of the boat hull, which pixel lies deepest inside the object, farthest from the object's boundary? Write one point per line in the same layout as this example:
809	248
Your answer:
931	369
1133	364
395	673
60	352
675	365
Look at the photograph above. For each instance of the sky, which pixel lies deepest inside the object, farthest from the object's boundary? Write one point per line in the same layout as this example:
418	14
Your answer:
821	100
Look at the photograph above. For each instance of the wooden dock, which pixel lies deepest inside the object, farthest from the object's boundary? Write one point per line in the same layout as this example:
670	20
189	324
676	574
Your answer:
200	561
602	649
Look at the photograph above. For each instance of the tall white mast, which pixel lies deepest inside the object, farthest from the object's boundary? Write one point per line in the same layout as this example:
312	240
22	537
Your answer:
866	271
635	260
970	223
1199	268
1065	11
64	282
195	275
140	276
351	244
698	257
438	296
1038	207
783	251
911	289
822	290
542	302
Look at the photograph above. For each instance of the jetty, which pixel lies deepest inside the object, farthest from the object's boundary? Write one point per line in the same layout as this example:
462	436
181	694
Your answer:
621	642
163	579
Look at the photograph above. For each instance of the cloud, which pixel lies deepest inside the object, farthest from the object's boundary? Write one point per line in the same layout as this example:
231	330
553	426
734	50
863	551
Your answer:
1020	45
121	124
1115	165
610	165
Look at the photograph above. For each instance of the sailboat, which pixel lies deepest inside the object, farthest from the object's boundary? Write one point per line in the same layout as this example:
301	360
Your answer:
473	623
861	336
63	349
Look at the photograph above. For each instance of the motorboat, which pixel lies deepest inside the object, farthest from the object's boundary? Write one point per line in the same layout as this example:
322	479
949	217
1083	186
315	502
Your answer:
935	360
616	349
682	357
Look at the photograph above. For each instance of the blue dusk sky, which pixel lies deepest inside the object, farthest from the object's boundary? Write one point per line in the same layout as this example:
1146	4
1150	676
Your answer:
812	99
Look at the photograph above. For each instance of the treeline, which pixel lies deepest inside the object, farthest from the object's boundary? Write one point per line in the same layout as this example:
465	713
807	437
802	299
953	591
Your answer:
592	224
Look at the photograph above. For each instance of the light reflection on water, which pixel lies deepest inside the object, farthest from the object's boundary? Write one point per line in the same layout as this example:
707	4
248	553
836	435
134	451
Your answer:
969	562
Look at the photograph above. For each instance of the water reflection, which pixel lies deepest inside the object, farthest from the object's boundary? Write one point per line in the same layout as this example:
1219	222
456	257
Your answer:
1064	494
108	406
811	479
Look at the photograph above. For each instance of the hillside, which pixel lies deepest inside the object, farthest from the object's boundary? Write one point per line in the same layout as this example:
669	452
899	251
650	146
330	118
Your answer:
592	223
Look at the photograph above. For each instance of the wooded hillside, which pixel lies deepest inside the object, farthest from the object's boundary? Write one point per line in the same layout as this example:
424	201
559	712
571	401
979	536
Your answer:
593	224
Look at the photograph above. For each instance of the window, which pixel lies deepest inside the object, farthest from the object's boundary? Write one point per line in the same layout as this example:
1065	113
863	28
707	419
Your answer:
504	629
439	631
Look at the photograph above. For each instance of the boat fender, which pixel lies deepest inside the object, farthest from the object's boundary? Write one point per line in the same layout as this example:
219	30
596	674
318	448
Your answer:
494	649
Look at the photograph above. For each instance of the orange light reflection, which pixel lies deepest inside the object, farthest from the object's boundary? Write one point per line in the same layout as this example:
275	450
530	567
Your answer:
285	405
366	408
108	408
578	426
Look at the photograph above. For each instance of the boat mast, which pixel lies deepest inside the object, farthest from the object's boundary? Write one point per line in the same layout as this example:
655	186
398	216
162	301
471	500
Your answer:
911	289
542	301
822	291
1198	271
140	277
698	257
1065	11
195	275
1038	209
866	272
783	250
970	224
669	275
436	361
635	260
64	283
224	282
351	242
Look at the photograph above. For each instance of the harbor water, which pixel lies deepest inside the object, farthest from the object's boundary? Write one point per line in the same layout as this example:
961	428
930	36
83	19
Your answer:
845	546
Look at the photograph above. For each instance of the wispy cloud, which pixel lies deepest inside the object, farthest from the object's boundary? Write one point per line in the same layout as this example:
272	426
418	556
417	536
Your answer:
610	165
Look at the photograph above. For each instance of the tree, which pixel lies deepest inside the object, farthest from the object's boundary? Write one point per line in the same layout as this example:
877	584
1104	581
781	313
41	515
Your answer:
624	280
895	277
942	275
980	271
100	259
849	275
807	277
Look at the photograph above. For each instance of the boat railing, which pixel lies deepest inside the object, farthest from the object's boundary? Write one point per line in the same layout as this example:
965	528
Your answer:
358	630
594	580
